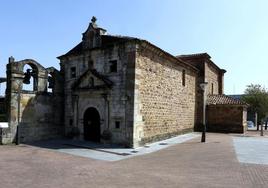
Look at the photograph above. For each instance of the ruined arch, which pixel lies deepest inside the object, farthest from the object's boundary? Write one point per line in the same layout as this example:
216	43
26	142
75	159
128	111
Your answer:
25	121
37	72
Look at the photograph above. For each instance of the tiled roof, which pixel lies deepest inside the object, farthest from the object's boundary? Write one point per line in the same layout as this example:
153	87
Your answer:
194	55
191	58
224	100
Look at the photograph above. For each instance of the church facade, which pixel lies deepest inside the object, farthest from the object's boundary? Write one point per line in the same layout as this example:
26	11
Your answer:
110	89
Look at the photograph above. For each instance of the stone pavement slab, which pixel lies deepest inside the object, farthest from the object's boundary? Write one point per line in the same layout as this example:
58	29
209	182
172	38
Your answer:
251	149
110	152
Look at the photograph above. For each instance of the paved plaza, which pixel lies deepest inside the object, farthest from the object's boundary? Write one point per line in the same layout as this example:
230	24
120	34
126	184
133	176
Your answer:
110	152
251	150
189	163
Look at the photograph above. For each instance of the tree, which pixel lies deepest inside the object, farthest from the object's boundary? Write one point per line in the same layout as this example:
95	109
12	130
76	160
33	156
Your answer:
257	97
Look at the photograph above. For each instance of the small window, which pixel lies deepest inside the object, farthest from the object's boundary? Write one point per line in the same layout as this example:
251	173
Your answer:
117	124
73	72
183	77
113	66
90	64
212	88
71	121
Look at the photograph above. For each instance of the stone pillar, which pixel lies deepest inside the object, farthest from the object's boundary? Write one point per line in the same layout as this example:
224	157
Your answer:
14	86
221	81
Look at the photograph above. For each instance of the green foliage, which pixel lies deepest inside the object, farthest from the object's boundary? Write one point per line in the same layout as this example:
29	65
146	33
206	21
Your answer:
257	97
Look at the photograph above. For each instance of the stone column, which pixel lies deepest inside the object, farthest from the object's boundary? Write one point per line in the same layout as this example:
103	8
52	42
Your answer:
14	86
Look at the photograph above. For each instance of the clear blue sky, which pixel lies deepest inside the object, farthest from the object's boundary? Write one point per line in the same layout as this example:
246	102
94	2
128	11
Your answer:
233	32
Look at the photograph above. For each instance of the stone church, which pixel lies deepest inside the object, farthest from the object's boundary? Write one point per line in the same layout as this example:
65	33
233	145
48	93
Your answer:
116	89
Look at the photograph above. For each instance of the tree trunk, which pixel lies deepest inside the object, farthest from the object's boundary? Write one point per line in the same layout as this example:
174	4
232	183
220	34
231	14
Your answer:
266	124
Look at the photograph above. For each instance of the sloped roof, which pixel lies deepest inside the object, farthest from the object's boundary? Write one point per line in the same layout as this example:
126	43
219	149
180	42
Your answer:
192	57
224	100
106	41
197	55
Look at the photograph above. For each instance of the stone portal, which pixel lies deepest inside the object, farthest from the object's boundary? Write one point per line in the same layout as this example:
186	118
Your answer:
92	125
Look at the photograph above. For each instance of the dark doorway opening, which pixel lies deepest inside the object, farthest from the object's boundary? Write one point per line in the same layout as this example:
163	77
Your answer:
92	125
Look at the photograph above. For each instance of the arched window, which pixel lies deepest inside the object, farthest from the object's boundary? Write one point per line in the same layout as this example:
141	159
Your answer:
30	80
50	83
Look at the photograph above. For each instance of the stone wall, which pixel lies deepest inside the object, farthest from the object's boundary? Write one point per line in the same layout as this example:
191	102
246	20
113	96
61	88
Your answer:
209	74
38	118
163	106
212	77
32	115
114	104
226	118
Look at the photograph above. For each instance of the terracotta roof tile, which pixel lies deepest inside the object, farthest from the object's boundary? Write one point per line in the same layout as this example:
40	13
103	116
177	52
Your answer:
224	100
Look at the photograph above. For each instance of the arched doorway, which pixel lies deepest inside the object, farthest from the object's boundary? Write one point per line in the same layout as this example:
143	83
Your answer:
92	125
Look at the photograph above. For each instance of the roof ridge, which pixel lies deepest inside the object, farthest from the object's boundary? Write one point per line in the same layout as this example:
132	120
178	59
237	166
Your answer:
195	55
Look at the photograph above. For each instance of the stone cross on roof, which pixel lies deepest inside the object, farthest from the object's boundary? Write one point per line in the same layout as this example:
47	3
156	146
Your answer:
93	19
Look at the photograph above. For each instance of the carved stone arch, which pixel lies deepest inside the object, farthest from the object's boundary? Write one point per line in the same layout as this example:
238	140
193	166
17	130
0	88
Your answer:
32	63
85	107
92	125
40	74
